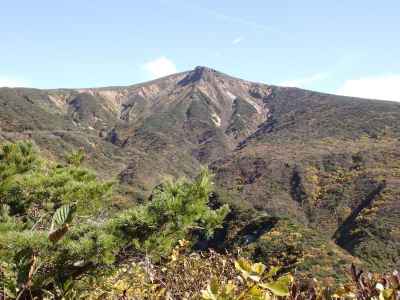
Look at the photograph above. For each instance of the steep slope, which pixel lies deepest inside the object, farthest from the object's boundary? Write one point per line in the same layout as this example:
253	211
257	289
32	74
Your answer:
191	124
167	126
329	163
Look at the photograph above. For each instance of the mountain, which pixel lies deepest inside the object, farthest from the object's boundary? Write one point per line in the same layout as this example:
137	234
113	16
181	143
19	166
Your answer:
328	162
140	132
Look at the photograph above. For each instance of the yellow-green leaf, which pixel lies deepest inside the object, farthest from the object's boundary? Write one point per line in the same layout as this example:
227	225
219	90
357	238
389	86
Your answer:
243	264
258	268
273	271
279	287
386	294
248	270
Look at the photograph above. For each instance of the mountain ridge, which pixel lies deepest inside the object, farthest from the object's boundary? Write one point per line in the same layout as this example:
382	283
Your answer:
310	156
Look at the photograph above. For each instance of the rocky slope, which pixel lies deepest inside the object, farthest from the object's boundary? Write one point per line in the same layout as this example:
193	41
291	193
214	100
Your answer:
331	163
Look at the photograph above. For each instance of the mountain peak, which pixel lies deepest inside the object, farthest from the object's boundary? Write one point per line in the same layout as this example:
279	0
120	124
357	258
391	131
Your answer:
199	73
204	69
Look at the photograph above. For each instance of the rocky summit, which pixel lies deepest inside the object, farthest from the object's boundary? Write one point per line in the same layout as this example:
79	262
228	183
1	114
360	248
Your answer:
330	163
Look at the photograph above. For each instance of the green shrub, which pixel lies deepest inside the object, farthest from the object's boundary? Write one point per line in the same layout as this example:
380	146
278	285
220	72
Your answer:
56	231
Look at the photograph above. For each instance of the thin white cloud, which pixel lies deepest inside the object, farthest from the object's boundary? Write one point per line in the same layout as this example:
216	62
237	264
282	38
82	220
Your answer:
11	82
384	87
160	67
225	17
305	81
237	40
239	20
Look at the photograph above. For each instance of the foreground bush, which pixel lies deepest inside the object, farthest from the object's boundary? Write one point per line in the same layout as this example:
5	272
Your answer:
57	231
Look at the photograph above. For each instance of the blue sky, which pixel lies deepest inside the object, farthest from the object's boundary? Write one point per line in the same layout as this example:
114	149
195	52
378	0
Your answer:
349	47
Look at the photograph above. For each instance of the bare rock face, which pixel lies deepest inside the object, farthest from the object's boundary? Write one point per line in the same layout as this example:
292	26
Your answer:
180	121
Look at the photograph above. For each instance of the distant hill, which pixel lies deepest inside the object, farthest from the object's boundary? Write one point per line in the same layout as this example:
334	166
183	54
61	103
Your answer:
331	163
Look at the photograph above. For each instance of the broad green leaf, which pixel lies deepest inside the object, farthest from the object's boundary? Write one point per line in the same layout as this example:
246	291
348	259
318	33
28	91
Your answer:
258	268
248	270
279	287
243	264
62	216
255	293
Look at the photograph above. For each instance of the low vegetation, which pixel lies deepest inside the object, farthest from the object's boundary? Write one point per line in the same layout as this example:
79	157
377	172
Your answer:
62	238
